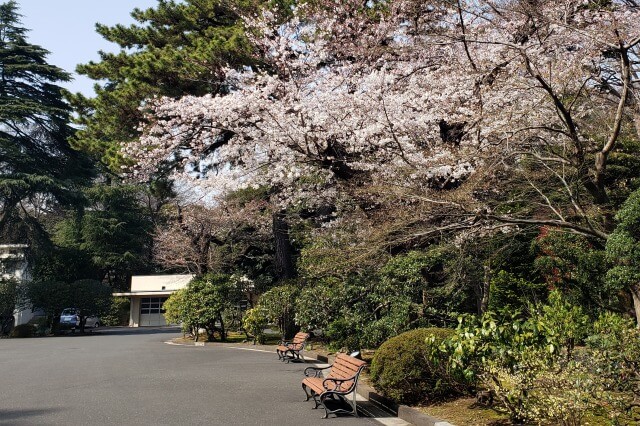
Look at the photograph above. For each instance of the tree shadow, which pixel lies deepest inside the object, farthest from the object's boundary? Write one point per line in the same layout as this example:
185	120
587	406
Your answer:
22	416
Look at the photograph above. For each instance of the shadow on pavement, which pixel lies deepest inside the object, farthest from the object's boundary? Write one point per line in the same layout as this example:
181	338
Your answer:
22	416
124	331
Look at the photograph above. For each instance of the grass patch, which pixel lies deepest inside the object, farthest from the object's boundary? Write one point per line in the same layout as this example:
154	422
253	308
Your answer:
466	411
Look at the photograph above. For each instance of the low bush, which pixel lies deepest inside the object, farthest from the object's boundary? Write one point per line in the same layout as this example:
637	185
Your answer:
23	330
254	322
410	369
118	314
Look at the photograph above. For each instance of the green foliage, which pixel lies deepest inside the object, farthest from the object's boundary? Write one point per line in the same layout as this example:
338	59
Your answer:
368	312
409	368
576	266
9	293
118	314
623	250
566	321
38	165
506	355
90	296
66	264
615	349
174	49
279	303
521	361
50	296
115	231
318	306
23	330
254	322
509	292
202	303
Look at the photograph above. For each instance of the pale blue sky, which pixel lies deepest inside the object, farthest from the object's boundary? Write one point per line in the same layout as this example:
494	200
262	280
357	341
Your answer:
67	29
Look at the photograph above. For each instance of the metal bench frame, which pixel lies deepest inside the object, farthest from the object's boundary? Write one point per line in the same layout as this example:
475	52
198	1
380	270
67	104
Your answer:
332	389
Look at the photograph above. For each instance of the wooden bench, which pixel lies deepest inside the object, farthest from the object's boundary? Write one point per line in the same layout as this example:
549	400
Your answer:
288	351
340	382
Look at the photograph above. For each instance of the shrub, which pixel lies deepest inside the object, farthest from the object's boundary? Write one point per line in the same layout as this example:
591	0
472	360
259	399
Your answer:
280	305
254	322
201	304
410	369
118	313
23	330
40	326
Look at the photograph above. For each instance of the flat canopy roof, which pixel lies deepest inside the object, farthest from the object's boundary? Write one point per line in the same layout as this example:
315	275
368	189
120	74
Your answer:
143	293
170	283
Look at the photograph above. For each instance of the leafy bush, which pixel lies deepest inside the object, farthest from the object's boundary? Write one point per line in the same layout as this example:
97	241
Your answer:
254	322
319	305
23	330
506	355
118	314
201	304
531	367
510	292
280	305
410	369
40	326
566	321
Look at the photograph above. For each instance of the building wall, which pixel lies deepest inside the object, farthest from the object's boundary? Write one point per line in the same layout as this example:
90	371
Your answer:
14	265
134	315
141	283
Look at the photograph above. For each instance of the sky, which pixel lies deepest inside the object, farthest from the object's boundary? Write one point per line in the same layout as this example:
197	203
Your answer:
66	28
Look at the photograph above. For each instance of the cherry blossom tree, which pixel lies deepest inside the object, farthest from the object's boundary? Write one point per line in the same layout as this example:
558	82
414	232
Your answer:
494	113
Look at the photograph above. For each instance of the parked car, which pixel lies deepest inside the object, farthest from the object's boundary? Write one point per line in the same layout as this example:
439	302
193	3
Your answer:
70	319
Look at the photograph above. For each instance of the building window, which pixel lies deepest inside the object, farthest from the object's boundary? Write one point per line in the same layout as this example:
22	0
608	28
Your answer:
152	305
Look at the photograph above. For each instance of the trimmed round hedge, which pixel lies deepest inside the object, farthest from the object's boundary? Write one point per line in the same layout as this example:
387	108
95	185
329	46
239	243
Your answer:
409	370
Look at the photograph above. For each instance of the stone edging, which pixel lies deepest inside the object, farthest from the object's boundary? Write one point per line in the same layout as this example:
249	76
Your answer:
404	412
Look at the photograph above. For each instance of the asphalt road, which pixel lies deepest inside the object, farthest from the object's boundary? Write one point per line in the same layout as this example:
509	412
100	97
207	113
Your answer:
130	376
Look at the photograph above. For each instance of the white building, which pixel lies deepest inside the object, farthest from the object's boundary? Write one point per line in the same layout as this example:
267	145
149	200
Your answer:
148	294
14	265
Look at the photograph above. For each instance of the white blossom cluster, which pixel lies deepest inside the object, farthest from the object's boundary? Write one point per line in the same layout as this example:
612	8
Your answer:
376	98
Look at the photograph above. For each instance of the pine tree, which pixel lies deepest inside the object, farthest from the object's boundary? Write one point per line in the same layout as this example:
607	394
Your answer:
38	168
175	49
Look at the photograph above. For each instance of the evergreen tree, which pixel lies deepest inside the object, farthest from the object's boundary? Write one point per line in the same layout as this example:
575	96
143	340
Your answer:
177	48
38	168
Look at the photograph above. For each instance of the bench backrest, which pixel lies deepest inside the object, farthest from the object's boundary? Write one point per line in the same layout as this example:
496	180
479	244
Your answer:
300	337
345	367
299	341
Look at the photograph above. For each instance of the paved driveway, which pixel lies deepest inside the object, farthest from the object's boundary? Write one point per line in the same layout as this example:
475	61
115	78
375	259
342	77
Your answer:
129	376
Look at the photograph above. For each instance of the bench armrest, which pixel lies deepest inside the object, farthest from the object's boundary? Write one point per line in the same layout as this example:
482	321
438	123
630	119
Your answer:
337	382
314	371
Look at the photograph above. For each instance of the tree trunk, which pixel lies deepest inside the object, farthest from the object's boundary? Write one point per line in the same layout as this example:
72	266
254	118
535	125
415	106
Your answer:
223	333
284	263
486	286
635	293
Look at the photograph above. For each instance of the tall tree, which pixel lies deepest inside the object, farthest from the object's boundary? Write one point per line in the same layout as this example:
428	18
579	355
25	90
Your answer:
38	168
175	49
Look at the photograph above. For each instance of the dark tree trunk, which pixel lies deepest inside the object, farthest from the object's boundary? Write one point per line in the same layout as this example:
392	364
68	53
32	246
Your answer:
285	267
486	285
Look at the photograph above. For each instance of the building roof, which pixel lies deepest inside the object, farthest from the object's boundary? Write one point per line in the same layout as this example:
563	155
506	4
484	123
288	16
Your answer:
156	285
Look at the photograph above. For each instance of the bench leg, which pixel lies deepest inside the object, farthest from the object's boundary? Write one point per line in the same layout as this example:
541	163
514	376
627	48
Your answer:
304	388
330	395
311	394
